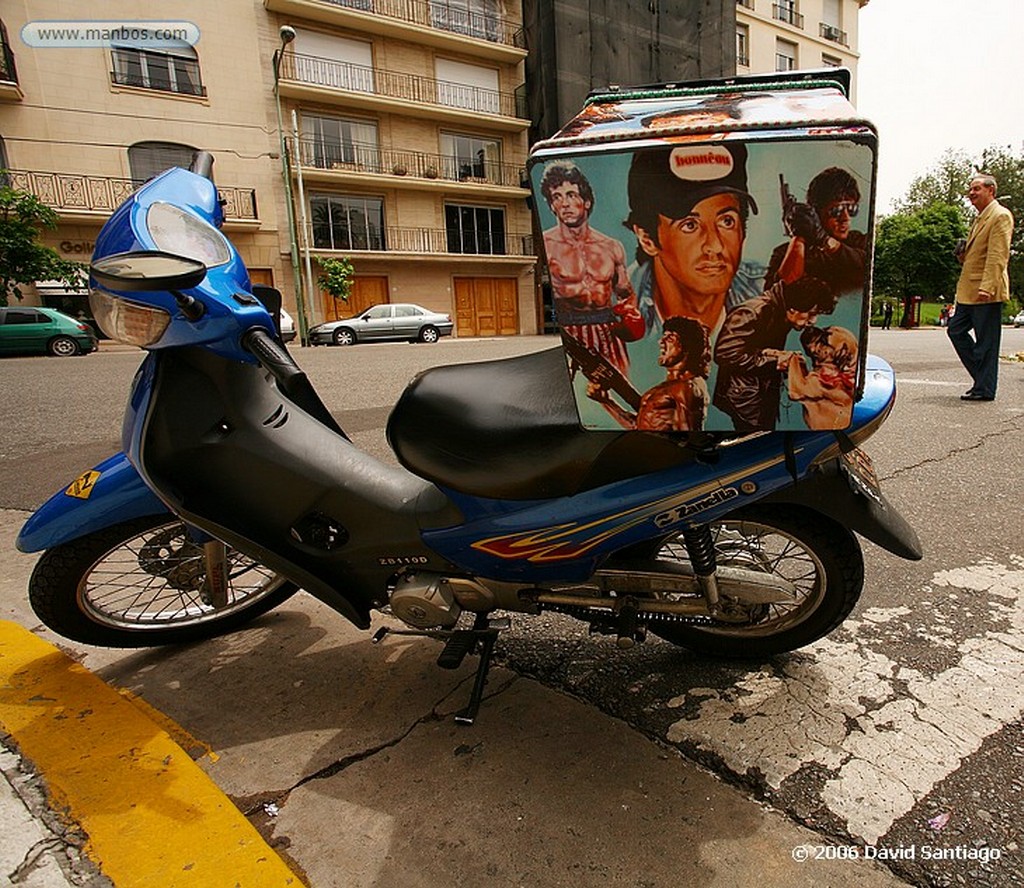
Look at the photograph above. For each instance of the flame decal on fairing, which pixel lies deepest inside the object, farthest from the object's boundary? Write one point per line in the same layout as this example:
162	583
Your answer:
562	542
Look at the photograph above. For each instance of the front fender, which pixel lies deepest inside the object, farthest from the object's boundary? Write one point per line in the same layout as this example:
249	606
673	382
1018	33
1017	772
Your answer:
110	493
828	491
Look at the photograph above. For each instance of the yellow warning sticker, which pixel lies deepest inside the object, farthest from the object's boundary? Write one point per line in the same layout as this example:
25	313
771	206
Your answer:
82	486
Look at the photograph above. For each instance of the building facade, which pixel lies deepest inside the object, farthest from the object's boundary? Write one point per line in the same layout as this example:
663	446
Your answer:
83	125
405	137
412	131
786	35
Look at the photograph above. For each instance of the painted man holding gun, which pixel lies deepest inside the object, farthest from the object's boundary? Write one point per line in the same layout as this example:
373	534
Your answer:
822	243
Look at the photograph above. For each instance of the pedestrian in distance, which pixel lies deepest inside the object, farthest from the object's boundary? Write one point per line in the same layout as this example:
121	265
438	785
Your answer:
886	315
975	327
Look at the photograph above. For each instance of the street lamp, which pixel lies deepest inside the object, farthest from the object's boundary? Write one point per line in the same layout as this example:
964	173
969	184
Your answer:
287	34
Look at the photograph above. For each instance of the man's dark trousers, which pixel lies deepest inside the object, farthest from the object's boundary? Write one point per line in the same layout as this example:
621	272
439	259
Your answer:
980	353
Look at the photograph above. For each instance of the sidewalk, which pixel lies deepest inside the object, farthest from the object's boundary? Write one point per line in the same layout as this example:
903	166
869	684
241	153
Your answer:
373	785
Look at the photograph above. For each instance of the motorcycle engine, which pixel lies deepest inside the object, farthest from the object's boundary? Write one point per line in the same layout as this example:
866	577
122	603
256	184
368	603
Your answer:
425	602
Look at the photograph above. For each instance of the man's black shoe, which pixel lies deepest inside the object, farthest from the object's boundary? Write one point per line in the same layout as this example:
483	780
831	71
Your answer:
976	396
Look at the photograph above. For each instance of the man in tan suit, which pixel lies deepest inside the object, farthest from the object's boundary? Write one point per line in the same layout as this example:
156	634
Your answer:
983	287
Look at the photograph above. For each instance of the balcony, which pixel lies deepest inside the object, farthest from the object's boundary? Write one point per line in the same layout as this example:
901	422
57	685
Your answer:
427	22
76	196
746	4
410	169
358	86
831	32
440	244
787	14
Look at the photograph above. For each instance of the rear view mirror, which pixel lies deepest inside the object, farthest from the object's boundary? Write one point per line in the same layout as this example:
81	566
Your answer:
148	270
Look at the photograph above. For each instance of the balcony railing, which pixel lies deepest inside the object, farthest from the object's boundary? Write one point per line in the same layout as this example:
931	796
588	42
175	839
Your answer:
67	192
831	32
435	240
368	158
749	4
332	74
787	14
182	87
444	16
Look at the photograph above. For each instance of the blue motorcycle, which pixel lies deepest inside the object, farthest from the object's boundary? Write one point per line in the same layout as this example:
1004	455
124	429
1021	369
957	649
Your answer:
237	487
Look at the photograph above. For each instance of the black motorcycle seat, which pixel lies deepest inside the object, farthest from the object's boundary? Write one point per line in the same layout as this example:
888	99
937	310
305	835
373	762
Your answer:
509	429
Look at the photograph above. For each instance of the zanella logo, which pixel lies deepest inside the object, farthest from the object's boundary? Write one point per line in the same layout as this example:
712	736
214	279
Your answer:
700	163
674	516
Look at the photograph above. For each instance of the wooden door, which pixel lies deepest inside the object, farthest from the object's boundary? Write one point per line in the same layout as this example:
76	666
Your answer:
264	276
486	306
367	290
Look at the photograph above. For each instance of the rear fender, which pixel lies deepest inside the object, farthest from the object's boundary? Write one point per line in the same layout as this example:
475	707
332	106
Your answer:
828	492
108	494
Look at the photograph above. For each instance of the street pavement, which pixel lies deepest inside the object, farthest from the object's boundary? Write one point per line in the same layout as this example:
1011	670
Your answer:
899	738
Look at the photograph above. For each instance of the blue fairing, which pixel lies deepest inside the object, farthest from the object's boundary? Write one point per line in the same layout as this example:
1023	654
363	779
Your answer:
229	309
117	494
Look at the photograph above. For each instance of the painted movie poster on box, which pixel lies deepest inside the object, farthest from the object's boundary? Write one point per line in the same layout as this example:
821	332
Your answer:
714	284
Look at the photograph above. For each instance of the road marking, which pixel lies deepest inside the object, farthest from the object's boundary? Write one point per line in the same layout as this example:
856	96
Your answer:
152	815
887	731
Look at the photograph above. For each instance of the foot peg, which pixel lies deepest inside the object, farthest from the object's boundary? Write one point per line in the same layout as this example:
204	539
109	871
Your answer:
459	644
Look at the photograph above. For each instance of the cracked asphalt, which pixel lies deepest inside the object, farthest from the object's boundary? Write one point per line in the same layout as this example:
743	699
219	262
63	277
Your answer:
899	738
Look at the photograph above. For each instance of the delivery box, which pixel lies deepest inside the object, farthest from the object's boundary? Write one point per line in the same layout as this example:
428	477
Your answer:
708	251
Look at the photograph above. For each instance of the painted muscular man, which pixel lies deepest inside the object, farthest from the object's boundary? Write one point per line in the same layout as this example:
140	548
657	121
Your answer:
594	301
680	402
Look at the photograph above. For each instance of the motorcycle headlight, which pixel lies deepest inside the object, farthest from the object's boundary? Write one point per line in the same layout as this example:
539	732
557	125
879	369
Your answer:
175	231
127	321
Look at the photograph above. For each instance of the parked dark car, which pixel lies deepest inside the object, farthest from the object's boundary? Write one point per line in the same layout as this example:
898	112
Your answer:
392	321
37	330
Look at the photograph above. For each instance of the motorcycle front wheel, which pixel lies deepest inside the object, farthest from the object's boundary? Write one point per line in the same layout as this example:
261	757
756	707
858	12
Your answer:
821	559
143	583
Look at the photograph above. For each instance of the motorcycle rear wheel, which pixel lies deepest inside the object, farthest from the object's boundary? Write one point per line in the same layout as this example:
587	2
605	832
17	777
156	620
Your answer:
139	584
821	558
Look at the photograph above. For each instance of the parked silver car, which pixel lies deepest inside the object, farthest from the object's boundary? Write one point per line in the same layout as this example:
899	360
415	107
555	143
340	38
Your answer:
392	321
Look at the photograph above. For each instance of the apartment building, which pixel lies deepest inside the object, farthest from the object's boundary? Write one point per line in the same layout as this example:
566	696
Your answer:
82	125
412	128
405	142
784	35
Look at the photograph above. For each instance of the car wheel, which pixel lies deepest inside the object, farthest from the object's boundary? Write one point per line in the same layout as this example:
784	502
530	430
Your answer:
344	337
62	347
429	334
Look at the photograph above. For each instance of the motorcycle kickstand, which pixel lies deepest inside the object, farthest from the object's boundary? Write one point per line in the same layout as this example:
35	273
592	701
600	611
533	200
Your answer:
459	643
480	638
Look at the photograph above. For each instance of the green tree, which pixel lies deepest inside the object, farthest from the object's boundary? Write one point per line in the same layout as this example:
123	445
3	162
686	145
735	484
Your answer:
945	183
23	260
914	252
336	274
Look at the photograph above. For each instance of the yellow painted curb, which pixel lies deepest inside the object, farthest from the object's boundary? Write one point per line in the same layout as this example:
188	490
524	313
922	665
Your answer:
153	817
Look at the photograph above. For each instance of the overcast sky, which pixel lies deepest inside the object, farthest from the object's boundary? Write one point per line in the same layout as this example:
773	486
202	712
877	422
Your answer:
938	74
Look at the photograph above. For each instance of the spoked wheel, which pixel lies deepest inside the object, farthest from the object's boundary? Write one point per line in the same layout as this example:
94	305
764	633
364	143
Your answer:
819	558
144	583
